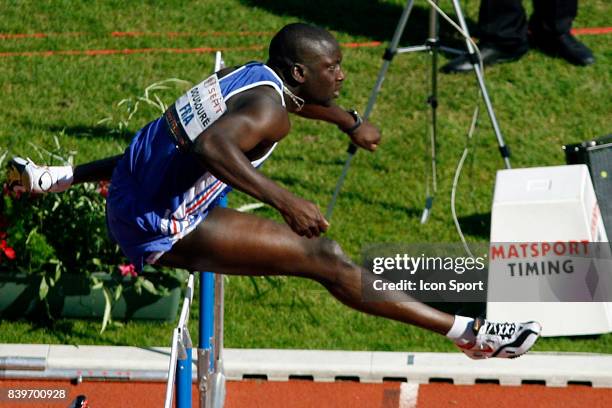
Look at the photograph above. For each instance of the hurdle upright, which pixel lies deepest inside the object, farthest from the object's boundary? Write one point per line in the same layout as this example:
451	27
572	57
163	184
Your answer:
210	375
211	378
180	372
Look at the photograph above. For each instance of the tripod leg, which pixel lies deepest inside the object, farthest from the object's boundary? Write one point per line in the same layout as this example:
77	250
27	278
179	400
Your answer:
432	101
504	150
433	43
387	57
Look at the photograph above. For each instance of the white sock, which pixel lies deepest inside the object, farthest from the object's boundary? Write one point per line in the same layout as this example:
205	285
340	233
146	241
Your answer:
50	178
461	330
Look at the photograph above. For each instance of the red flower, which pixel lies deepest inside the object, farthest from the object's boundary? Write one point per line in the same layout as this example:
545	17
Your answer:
7	250
103	188
10	253
128	270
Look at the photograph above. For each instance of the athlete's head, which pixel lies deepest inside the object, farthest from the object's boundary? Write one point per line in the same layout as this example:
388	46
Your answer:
308	58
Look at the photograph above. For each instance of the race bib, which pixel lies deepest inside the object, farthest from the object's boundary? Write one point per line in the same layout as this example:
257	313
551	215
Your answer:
200	107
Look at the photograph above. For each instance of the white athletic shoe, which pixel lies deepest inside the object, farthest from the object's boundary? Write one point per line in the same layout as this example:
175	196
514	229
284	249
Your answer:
502	340
26	177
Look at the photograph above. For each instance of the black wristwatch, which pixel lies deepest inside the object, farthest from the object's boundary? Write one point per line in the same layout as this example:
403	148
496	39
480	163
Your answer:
358	122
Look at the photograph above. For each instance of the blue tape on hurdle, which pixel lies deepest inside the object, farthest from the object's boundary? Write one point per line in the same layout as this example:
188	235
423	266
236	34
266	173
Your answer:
183	376
207	306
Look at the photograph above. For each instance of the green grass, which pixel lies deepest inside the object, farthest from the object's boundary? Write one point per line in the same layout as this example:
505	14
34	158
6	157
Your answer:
541	103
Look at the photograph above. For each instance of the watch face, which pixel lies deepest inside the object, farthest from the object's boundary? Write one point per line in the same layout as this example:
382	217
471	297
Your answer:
358	121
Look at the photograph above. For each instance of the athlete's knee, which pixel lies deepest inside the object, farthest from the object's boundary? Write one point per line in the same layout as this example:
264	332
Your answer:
331	260
329	250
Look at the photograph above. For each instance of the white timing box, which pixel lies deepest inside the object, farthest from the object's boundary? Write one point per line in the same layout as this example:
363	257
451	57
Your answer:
547	205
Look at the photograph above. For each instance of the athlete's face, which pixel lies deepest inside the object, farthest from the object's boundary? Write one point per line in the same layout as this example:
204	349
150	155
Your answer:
323	74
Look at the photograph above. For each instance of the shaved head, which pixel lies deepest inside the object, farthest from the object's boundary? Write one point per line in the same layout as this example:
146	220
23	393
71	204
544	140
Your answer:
298	43
307	59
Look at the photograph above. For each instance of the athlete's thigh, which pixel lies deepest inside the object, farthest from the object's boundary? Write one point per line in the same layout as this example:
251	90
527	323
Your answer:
231	242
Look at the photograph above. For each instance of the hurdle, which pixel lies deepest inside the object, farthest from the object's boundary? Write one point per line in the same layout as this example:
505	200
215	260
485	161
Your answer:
210	373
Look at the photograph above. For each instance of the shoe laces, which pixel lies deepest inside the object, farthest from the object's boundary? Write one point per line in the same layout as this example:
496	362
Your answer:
503	330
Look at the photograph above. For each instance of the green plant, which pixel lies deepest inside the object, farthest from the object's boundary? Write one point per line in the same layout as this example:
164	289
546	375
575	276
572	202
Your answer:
46	236
59	233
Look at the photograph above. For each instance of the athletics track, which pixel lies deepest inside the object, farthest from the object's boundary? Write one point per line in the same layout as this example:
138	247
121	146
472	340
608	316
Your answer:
135	377
309	394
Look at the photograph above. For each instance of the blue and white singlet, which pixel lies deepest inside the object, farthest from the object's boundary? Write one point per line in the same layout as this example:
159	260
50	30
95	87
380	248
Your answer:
159	194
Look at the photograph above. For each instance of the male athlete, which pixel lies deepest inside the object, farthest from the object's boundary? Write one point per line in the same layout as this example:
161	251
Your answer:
162	203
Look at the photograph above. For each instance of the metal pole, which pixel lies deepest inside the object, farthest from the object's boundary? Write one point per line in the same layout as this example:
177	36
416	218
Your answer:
218	375
503	149
433	43
179	372
209	350
387	57
433	46
205	328
172	368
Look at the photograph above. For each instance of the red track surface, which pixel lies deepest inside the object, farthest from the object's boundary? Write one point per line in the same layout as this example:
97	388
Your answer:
308	394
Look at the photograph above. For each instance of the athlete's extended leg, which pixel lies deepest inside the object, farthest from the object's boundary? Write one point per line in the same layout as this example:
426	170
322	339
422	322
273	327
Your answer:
241	244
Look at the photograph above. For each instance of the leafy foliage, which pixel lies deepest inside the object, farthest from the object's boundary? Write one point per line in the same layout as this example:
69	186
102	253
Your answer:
55	234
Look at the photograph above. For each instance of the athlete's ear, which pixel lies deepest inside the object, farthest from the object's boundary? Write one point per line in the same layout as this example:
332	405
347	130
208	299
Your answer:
298	72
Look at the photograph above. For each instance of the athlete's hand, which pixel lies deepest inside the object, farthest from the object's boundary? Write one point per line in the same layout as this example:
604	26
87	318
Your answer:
366	136
304	217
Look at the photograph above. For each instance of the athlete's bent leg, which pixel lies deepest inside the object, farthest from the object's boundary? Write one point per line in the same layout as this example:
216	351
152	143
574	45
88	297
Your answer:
23	175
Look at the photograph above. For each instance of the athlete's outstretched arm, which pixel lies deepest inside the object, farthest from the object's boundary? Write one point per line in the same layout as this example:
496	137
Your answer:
365	135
